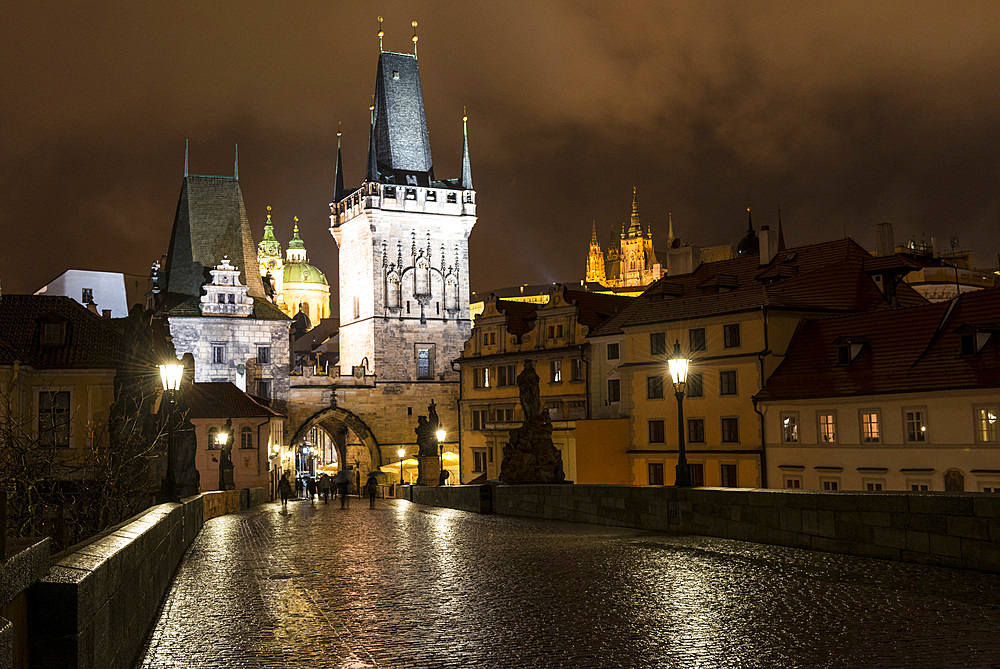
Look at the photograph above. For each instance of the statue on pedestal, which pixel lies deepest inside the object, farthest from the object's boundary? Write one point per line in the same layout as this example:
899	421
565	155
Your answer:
530	456
428	464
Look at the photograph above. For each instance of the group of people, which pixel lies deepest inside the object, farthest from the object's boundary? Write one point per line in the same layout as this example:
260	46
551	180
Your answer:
307	487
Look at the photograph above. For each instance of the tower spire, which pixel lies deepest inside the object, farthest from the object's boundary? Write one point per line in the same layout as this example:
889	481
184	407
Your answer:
466	165
372	174
236	163
593	233
635	227
781	233
380	34
414	24
338	177
185	157
670	230
749	217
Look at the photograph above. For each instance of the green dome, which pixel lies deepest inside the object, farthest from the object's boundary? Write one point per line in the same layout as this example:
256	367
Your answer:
300	272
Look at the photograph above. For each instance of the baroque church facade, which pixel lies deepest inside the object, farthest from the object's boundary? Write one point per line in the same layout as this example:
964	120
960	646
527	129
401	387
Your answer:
295	285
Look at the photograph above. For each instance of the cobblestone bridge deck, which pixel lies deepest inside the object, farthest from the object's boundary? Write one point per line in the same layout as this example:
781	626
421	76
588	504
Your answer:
410	586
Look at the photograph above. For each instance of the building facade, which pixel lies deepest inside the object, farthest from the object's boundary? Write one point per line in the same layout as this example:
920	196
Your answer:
733	319
630	261
296	286
553	336
906	399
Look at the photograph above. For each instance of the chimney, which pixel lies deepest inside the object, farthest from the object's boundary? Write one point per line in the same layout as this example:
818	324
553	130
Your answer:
92	308
885	241
683	260
105	313
768	240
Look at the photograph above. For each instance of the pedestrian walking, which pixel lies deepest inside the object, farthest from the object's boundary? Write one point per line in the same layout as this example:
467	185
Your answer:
298	486
343	481
284	489
371	485
311	487
324	488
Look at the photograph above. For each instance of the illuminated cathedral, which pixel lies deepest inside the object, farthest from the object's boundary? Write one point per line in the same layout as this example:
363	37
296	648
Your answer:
296	285
634	262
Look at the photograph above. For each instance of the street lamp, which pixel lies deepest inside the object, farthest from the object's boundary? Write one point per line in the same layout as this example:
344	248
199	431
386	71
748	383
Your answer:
441	434
401	452
678	374
171	374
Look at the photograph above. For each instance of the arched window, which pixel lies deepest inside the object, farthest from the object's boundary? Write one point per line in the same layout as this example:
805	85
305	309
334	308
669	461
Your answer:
246	438
212	443
392	291
451	294
423	278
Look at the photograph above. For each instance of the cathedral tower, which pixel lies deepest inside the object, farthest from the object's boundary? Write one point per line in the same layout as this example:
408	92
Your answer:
403	243
595	259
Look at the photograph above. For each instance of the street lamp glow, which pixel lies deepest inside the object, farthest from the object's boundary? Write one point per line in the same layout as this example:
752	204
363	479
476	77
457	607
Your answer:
678	374
401	452
170	374
441	434
221	438
678	365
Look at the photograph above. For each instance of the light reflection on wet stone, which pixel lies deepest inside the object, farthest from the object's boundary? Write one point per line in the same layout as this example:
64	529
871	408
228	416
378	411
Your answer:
410	586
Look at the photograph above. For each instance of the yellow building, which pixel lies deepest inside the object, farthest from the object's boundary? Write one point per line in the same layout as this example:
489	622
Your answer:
296	285
906	399
734	320
554	336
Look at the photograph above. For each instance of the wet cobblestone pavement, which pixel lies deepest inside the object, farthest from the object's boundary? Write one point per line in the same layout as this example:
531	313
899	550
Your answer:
412	586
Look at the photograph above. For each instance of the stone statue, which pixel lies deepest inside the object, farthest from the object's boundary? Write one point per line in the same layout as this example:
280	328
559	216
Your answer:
426	439
530	456
527	383
428	463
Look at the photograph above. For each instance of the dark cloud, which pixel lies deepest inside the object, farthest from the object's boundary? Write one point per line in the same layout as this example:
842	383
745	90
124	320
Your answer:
844	114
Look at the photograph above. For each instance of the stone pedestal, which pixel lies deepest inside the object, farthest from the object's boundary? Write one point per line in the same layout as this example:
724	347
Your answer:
428	470
530	456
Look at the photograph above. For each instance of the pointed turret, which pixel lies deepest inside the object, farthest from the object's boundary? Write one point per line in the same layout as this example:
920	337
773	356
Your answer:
670	231
269	247
401	148
595	259
749	245
372	173
635	227
781	233
466	165
338	177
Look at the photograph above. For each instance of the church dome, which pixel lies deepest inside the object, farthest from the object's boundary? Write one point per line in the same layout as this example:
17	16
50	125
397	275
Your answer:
301	272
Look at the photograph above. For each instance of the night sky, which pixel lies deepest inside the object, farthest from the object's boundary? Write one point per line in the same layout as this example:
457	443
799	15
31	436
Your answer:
843	114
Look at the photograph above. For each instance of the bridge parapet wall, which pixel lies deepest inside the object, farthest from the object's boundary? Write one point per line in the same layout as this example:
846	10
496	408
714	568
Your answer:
96	603
475	498
947	529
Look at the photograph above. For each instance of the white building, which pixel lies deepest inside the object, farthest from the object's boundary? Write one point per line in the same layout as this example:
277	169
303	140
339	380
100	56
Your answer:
111	292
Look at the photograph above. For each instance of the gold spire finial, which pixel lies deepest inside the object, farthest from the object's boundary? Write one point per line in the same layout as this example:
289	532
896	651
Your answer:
295	218
340	126
465	114
269	208
414	24
380	34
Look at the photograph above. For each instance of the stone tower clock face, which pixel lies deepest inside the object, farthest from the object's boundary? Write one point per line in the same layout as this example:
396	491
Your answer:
271	264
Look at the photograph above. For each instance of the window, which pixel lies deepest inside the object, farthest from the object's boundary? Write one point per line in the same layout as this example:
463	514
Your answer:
695	385
915	425
830	484
357	307
656	435
53	418
264	388
452	198
697	472
873	485
479	459
555	331
827	424
613	351
919	486
506	375
987	425
481	377
222	298
505	414
793	482
730	430
614	390
990	488
696	430
728	475
655	470
53	334
657	343
424	363
654	387
790	428
555	368
479	418
232	299
576	372
727	382
731	335
696	339
88	295
264	355
490	338
246	438
218	354
870	427
213	444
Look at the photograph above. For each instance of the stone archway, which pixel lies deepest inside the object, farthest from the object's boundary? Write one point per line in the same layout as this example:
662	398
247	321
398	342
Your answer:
349	421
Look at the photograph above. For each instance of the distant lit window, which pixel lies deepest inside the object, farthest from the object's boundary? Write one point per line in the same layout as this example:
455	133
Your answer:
213	443
790	428
827	424
481	377
555	367
88	295
424	363
988	423
871	427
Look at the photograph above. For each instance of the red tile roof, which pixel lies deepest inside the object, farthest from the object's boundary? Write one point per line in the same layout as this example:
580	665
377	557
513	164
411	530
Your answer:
91	342
222	399
520	315
916	349
828	276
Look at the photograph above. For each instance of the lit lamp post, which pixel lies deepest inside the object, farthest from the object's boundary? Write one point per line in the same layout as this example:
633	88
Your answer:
678	374
171	374
441	434
222	441
401	452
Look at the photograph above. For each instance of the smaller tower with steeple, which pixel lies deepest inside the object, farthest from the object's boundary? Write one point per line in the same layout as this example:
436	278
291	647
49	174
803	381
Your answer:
595	259
269	257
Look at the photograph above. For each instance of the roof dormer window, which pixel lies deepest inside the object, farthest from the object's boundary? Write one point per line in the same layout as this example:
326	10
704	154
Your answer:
973	342
53	334
395	74
847	351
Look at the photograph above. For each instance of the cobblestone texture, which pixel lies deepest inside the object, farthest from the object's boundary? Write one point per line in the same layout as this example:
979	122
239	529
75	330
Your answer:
412	586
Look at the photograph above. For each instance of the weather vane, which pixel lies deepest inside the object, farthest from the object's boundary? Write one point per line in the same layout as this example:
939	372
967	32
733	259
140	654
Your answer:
380	34
414	24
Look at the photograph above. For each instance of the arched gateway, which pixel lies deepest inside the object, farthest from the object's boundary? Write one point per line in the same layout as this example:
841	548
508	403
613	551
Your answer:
333	418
